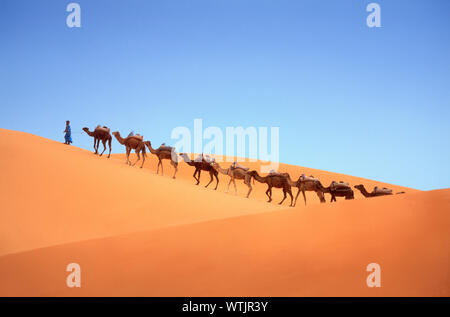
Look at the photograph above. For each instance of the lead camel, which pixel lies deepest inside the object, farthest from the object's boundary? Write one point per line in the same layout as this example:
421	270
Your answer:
100	134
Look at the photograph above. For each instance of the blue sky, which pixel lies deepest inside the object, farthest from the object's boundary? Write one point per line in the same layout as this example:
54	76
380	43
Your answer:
370	102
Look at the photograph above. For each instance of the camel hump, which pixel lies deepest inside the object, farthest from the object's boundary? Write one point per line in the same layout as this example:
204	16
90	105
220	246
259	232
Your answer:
237	165
308	178
340	185
383	190
166	148
104	128
275	173
205	158
137	137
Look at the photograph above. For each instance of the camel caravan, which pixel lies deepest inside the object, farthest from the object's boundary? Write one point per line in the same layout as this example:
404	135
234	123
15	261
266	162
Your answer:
235	171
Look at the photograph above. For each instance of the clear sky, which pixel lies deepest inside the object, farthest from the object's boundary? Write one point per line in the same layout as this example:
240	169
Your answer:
370	102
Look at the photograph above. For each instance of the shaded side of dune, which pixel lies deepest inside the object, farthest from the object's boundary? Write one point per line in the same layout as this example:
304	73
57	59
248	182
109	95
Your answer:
320	251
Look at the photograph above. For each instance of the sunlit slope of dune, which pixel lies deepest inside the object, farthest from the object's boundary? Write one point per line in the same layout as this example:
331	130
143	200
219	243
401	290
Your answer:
52	193
322	251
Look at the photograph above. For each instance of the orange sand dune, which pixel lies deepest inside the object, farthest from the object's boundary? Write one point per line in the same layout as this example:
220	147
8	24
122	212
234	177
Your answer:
53	194
136	233
321	251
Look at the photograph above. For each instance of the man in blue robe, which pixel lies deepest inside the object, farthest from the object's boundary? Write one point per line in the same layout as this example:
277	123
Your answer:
68	133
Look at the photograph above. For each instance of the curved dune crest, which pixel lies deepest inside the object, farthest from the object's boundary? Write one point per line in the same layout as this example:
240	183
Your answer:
135	233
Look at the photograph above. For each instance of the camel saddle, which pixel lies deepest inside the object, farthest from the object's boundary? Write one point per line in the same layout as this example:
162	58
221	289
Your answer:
137	137
275	173
340	186
166	148
384	190
104	129
205	158
237	165
305	178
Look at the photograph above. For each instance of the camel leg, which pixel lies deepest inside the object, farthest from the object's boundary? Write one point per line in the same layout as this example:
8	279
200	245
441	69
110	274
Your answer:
109	144
98	145
235	187
198	176
195	173
248	182
249	189
284	197
143	159
292	198
211	175
95	148
304	196
217	181
228	187
128	156
300	188
157	168
139	157
267	193
162	167
197	179
321	196
175	165
104	147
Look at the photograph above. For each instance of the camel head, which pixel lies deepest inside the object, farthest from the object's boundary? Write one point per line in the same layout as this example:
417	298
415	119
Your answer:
253	173
360	186
85	129
185	157
118	137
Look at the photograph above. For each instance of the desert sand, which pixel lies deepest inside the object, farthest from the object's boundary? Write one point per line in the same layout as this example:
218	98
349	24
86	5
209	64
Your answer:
135	233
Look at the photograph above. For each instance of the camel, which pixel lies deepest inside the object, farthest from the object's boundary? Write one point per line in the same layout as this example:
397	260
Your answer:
164	153
201	165
136	143
340	189
307	183
376	191
276	180
100	134
235	173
